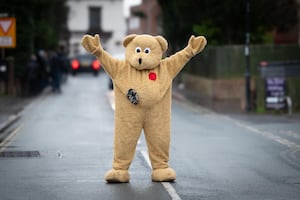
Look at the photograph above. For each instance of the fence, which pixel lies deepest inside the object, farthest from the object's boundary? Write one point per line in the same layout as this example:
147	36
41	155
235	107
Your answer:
228	63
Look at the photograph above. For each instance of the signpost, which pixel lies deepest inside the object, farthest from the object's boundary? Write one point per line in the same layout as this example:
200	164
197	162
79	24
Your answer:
7	40
275	75
275	93
247	56
8	32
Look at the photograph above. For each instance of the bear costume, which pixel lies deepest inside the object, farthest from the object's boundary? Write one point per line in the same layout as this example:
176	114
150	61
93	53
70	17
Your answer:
142	88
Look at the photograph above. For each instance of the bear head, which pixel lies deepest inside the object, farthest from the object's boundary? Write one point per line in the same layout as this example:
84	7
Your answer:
144	51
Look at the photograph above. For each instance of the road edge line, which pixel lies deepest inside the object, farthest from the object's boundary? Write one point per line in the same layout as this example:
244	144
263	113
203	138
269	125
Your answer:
11	119
111	99
266	134
168	187
10	138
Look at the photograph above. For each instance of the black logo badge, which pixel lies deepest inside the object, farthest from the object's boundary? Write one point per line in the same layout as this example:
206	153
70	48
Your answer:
133	96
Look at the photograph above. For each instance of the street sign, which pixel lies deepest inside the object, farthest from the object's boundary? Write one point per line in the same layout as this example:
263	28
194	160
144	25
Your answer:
7	32
275	93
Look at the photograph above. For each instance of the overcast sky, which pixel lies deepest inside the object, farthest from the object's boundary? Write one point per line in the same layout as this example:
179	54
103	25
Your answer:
127	4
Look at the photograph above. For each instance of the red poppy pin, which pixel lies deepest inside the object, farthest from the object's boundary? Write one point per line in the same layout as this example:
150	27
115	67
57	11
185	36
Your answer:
152	76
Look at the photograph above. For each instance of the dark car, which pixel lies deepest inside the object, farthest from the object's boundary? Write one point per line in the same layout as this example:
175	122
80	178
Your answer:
85	63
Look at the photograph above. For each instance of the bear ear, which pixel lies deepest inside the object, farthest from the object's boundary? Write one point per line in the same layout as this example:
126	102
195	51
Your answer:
163	43
128	39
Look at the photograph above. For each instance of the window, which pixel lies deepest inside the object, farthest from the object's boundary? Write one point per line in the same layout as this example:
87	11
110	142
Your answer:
95	18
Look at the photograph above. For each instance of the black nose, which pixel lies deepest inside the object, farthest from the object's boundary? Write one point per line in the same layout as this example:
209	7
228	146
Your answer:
140	61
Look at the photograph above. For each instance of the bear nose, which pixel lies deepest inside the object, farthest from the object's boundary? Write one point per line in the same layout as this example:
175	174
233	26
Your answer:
140	60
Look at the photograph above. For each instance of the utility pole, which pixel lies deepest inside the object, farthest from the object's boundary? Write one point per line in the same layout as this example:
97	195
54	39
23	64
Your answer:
247	55
299	23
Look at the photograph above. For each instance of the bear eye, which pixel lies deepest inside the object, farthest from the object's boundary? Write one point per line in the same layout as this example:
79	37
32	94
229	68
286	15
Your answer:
147	50
138	50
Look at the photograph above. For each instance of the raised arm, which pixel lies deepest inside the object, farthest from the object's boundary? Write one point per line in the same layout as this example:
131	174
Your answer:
177	61
92	45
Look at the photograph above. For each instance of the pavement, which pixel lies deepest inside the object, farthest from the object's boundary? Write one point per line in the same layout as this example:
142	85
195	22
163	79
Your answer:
192	98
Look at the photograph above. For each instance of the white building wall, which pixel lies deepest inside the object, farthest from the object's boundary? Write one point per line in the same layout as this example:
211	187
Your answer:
113	20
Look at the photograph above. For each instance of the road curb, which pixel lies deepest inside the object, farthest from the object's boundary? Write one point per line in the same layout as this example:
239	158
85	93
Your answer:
11	119
15	117
6	128
178	96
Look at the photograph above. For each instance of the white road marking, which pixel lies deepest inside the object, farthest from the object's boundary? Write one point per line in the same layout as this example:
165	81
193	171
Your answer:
291	134
169	188
111	99
266	134
146	157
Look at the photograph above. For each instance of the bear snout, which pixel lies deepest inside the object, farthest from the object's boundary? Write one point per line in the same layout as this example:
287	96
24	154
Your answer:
140	61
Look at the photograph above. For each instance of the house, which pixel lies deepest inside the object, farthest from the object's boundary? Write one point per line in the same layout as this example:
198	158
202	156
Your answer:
145	18
104	17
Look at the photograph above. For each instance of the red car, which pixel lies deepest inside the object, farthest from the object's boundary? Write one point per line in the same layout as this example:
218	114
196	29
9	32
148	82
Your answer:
85	63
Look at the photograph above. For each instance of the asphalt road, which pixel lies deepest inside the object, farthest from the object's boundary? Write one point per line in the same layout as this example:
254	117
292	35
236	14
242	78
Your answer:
63	145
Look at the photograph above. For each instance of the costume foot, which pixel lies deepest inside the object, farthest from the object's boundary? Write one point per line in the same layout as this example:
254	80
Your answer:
117	176
163	175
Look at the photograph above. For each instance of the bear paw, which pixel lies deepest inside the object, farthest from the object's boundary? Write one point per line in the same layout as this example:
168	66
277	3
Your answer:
163	175
117	176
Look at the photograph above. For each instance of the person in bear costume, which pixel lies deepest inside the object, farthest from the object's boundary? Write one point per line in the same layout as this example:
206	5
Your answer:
142	88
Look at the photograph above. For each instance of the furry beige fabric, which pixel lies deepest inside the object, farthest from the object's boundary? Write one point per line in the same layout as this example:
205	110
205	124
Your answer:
142	86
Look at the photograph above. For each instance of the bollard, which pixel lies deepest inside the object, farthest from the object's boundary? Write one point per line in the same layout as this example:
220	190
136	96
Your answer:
289	104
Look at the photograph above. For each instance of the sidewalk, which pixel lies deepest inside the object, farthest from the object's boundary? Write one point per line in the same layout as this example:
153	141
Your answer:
256	118
199	99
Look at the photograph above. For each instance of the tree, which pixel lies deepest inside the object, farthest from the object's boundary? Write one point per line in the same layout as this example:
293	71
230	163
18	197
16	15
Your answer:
223	22
39	25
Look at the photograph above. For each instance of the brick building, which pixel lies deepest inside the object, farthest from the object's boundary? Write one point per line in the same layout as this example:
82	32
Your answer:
145	18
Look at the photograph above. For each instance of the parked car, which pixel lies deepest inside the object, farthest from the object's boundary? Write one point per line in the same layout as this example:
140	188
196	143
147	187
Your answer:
85	63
